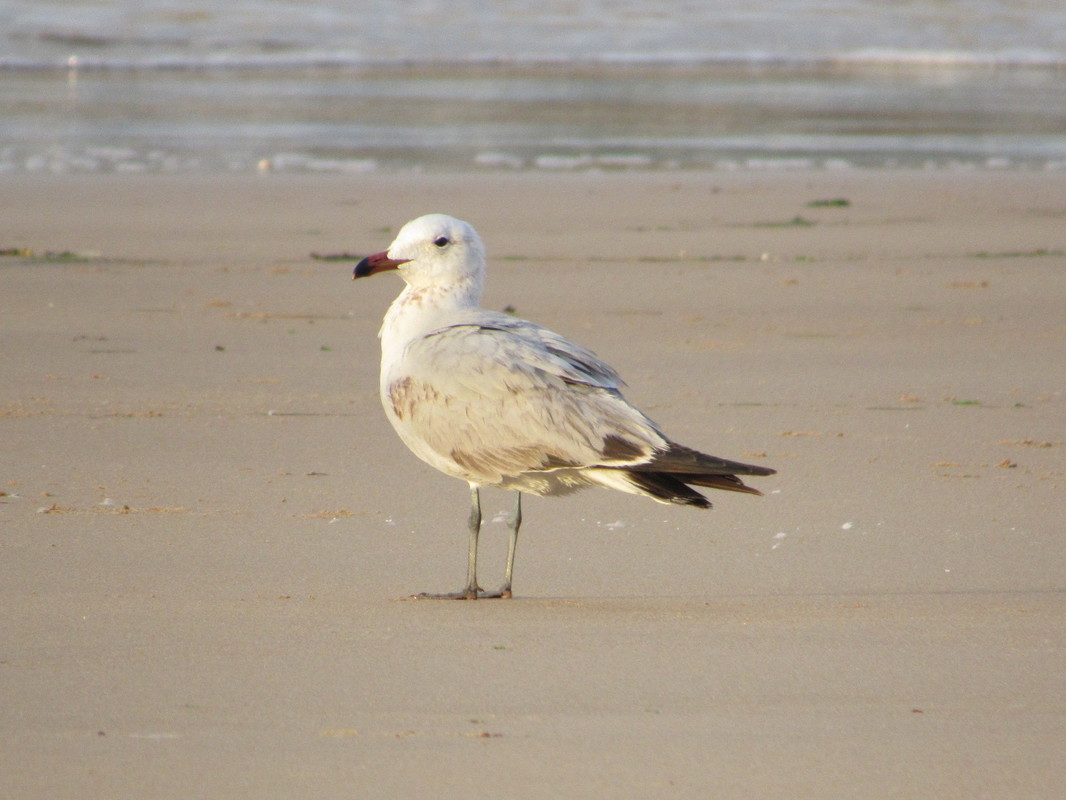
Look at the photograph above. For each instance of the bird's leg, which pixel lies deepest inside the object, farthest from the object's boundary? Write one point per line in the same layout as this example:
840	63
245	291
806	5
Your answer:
513	524
474	524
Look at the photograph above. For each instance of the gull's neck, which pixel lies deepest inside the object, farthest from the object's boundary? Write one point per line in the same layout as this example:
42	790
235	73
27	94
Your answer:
421	308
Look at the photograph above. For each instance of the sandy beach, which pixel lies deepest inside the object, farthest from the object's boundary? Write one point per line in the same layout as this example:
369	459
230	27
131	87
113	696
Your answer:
207	527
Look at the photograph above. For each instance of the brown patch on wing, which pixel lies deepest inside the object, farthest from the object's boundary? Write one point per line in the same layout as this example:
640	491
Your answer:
615	448
552	461
511	460
406	394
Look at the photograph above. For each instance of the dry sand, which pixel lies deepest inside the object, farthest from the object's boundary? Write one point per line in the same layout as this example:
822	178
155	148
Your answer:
207	524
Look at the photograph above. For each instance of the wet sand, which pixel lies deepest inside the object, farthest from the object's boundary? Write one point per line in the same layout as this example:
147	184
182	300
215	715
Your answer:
207	526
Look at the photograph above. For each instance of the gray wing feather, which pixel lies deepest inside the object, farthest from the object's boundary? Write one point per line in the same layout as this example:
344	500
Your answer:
547	350
499	397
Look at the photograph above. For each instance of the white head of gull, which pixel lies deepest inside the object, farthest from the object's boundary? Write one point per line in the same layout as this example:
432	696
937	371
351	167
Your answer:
498	401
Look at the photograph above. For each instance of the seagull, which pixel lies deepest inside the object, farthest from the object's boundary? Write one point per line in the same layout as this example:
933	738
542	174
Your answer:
498	401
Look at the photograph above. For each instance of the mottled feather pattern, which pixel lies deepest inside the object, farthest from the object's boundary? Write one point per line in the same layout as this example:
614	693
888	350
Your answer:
536	414
539	347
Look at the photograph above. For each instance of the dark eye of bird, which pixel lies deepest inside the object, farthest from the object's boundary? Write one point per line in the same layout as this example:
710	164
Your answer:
442	241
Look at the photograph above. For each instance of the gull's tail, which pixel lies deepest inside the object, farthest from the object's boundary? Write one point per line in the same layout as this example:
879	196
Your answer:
670	474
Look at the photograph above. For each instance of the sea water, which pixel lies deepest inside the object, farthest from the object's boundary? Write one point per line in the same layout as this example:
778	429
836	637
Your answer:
332	86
